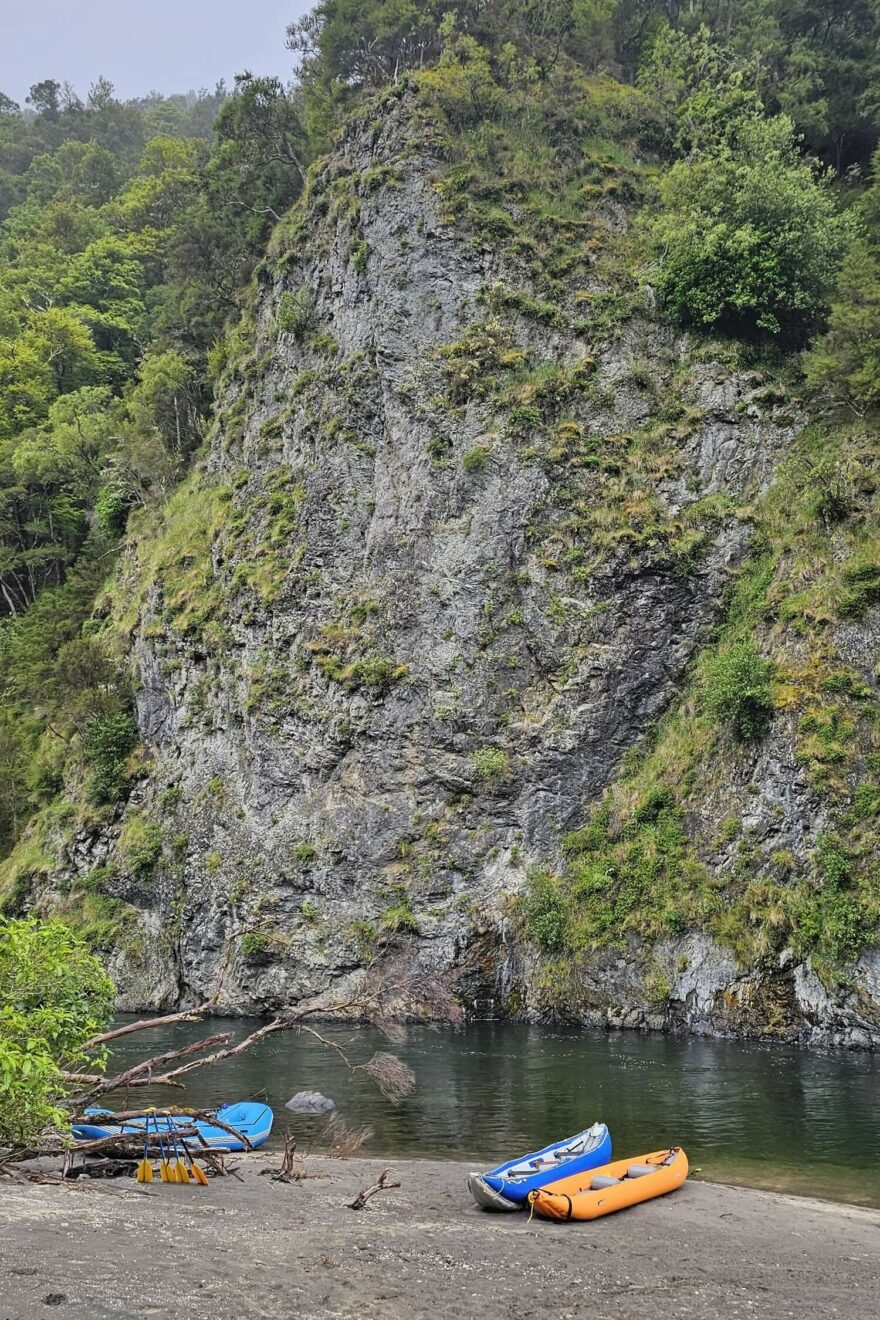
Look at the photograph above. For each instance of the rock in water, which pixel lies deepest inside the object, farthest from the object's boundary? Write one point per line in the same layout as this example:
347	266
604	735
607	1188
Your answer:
310	1102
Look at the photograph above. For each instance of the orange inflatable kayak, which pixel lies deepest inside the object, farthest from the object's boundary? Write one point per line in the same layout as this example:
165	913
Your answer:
597	1192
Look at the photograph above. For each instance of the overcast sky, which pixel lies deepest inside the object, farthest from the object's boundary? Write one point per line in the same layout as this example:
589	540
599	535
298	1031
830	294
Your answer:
142	45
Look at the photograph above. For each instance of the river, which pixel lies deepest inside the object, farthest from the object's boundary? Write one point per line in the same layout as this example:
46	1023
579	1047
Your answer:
766	1116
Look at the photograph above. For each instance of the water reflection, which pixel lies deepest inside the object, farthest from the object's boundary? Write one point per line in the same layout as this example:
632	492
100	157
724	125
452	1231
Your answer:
766	1115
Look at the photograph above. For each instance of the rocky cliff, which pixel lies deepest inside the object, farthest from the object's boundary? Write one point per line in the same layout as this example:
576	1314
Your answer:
435	598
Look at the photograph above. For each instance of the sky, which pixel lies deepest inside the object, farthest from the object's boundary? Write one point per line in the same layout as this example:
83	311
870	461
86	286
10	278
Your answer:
142	45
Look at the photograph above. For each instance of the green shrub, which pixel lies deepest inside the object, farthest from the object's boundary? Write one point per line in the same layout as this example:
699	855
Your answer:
737	689
861	589
296	312
475	459
107	742
831	919
255	944
304	851
400	917
524	419
490	764
365	936
140	845
376	672
112	506
359	253
543	908
54	996
475	362
846	361
751	239
866	801
657	985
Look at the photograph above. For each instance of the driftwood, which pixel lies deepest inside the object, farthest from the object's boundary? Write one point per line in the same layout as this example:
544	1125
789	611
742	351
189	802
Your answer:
143	1072
215	1159
185	1015
135	1143
288	1172
169	1111
9	1170
128	1141
100	1168
92	1079
383	1185
403	1080
393	1078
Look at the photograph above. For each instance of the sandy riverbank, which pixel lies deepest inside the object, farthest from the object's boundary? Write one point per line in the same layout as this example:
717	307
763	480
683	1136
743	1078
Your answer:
261	1249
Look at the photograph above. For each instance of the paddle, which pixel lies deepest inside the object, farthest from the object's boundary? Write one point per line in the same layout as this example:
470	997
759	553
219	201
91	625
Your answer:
181	1173
144	1172
198	1174
165	1171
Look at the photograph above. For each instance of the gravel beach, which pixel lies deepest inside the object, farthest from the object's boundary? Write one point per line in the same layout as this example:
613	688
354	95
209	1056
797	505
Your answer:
262	1249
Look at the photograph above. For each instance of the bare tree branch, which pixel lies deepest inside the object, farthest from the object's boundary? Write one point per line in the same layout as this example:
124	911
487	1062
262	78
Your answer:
146	1068
185	1015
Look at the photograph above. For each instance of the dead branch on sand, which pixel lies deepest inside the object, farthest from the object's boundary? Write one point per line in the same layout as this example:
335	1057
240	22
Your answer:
381	1186
290	1171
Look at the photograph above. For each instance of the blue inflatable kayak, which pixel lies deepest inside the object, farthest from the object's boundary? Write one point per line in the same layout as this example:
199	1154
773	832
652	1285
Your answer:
253	1120
508	1186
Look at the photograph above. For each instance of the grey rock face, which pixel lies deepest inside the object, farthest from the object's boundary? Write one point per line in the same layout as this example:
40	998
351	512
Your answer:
419	697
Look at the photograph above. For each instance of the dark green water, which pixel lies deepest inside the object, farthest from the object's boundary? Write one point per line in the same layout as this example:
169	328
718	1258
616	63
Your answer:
767	1116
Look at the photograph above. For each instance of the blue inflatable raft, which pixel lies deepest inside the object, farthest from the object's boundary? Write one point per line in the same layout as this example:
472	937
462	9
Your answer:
252	1120
508	1186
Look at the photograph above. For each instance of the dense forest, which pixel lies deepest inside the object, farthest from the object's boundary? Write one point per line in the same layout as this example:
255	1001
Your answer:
133	241
129	232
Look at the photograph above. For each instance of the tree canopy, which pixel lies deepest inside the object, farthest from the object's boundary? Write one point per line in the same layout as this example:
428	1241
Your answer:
129	231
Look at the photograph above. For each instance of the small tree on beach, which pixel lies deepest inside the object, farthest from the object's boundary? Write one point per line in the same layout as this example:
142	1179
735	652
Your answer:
54	997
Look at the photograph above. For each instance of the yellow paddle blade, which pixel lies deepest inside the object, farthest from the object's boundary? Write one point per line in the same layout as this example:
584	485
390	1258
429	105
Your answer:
144	1171
182	1174
165	1172
199	1174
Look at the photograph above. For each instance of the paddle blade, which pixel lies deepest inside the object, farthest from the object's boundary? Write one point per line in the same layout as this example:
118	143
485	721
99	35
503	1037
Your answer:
199	1174
144	1172
165	1172
182	1175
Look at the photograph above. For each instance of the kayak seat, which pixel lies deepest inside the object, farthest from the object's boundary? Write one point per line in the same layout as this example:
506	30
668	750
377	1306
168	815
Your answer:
639	1170
602	1181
